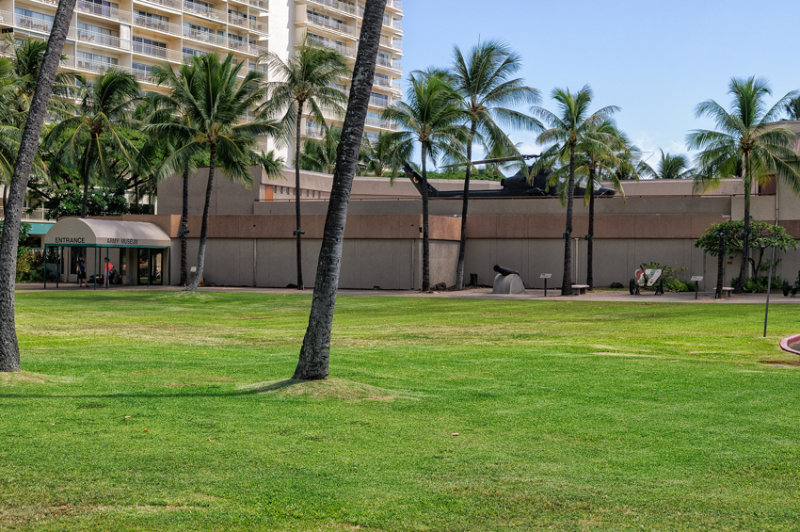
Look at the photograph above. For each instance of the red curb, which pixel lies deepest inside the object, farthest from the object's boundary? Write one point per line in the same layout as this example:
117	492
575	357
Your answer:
790	340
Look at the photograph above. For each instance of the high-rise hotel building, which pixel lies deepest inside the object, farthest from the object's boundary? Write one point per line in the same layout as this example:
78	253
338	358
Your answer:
135	35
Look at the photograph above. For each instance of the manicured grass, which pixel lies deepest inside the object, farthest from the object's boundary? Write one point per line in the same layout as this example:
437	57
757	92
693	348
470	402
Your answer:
167	411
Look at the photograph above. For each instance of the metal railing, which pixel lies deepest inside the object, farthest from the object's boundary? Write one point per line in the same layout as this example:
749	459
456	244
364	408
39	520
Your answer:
174	4
238	20
205	36
262	4
149	49
103	11
34	24
258	26
327	22
93	65
96	37
347	7
156	24
203	10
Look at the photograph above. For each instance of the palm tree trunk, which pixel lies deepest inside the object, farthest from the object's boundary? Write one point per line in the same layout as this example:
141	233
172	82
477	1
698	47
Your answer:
462	245
315	353
566	280
590	236
5	198
87	154
426	250
748	181
720	265
9	241
201	252
184	229
298	232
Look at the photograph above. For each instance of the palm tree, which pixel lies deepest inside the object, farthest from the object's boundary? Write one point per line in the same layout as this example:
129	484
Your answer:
315	353
571	126
748	144
29	143
602	152
319	155
792	108
485	81
669	167
165	109
213	105
432	116
384	156
310	78
82	140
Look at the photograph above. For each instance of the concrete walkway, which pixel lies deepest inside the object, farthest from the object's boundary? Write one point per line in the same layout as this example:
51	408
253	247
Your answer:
471	293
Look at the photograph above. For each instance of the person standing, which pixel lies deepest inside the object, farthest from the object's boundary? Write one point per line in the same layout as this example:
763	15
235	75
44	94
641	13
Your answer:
81	271
107	269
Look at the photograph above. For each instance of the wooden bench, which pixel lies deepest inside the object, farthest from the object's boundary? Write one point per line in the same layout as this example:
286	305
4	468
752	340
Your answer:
727	290
581	288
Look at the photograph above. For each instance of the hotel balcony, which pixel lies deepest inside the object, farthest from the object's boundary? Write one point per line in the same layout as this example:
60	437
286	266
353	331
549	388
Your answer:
97	67
204	11
32	24
105	12
157	25
205	36
93	37
388	42
169	4
260	26
158	52
337	5
327	23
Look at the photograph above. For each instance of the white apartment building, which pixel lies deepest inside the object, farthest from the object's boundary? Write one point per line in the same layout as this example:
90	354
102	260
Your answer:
135	35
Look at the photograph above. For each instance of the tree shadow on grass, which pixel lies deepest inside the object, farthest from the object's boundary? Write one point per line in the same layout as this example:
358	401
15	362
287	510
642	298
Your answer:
250	390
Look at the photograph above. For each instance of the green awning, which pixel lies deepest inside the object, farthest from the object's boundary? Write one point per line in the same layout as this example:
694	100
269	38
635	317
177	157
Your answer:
40	228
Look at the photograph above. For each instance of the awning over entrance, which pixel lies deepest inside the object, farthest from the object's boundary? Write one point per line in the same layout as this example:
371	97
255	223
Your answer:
106	233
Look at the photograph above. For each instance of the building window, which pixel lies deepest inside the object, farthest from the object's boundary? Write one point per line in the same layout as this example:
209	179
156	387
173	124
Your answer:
32	20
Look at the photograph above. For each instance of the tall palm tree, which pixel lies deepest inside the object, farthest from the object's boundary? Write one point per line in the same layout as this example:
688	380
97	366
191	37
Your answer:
29	143
82	140
792	108
432	116
167	108
669	167
319	155
311	77
746	143
214	105
602	152
315	353
485	80
572	125
384	156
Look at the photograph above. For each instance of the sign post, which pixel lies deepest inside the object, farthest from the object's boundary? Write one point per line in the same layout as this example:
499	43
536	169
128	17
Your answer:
696	280
545	276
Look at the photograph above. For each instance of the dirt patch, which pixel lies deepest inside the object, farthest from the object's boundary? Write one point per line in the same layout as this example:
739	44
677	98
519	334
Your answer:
27	377
328	389
792	363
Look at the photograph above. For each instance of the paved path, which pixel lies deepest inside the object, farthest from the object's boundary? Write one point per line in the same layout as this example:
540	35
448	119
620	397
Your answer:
472	293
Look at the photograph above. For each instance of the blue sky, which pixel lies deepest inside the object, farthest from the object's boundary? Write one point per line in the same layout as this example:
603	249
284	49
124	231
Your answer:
655	60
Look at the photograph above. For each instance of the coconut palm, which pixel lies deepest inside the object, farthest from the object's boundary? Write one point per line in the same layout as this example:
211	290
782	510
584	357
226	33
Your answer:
567	129
432	116
82	141
747	143
29	143
213	106
319	155
602	152
315	353
384	156
485	80
669	167
792	108
308	82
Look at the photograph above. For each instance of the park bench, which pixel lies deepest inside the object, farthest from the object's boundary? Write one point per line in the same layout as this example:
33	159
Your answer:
581	288
727	291
646	278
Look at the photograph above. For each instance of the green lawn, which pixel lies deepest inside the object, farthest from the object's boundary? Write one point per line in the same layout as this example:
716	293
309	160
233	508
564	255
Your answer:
163	410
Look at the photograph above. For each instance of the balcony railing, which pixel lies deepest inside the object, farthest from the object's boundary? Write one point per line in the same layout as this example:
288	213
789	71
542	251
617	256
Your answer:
330	23
237	20
92	65
156	24
172	4
34	24
391	43
204	36
387	62
142	74
32	215
203	10
262	4
347	7
48	2
103	11
149	49
95	37
258	26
